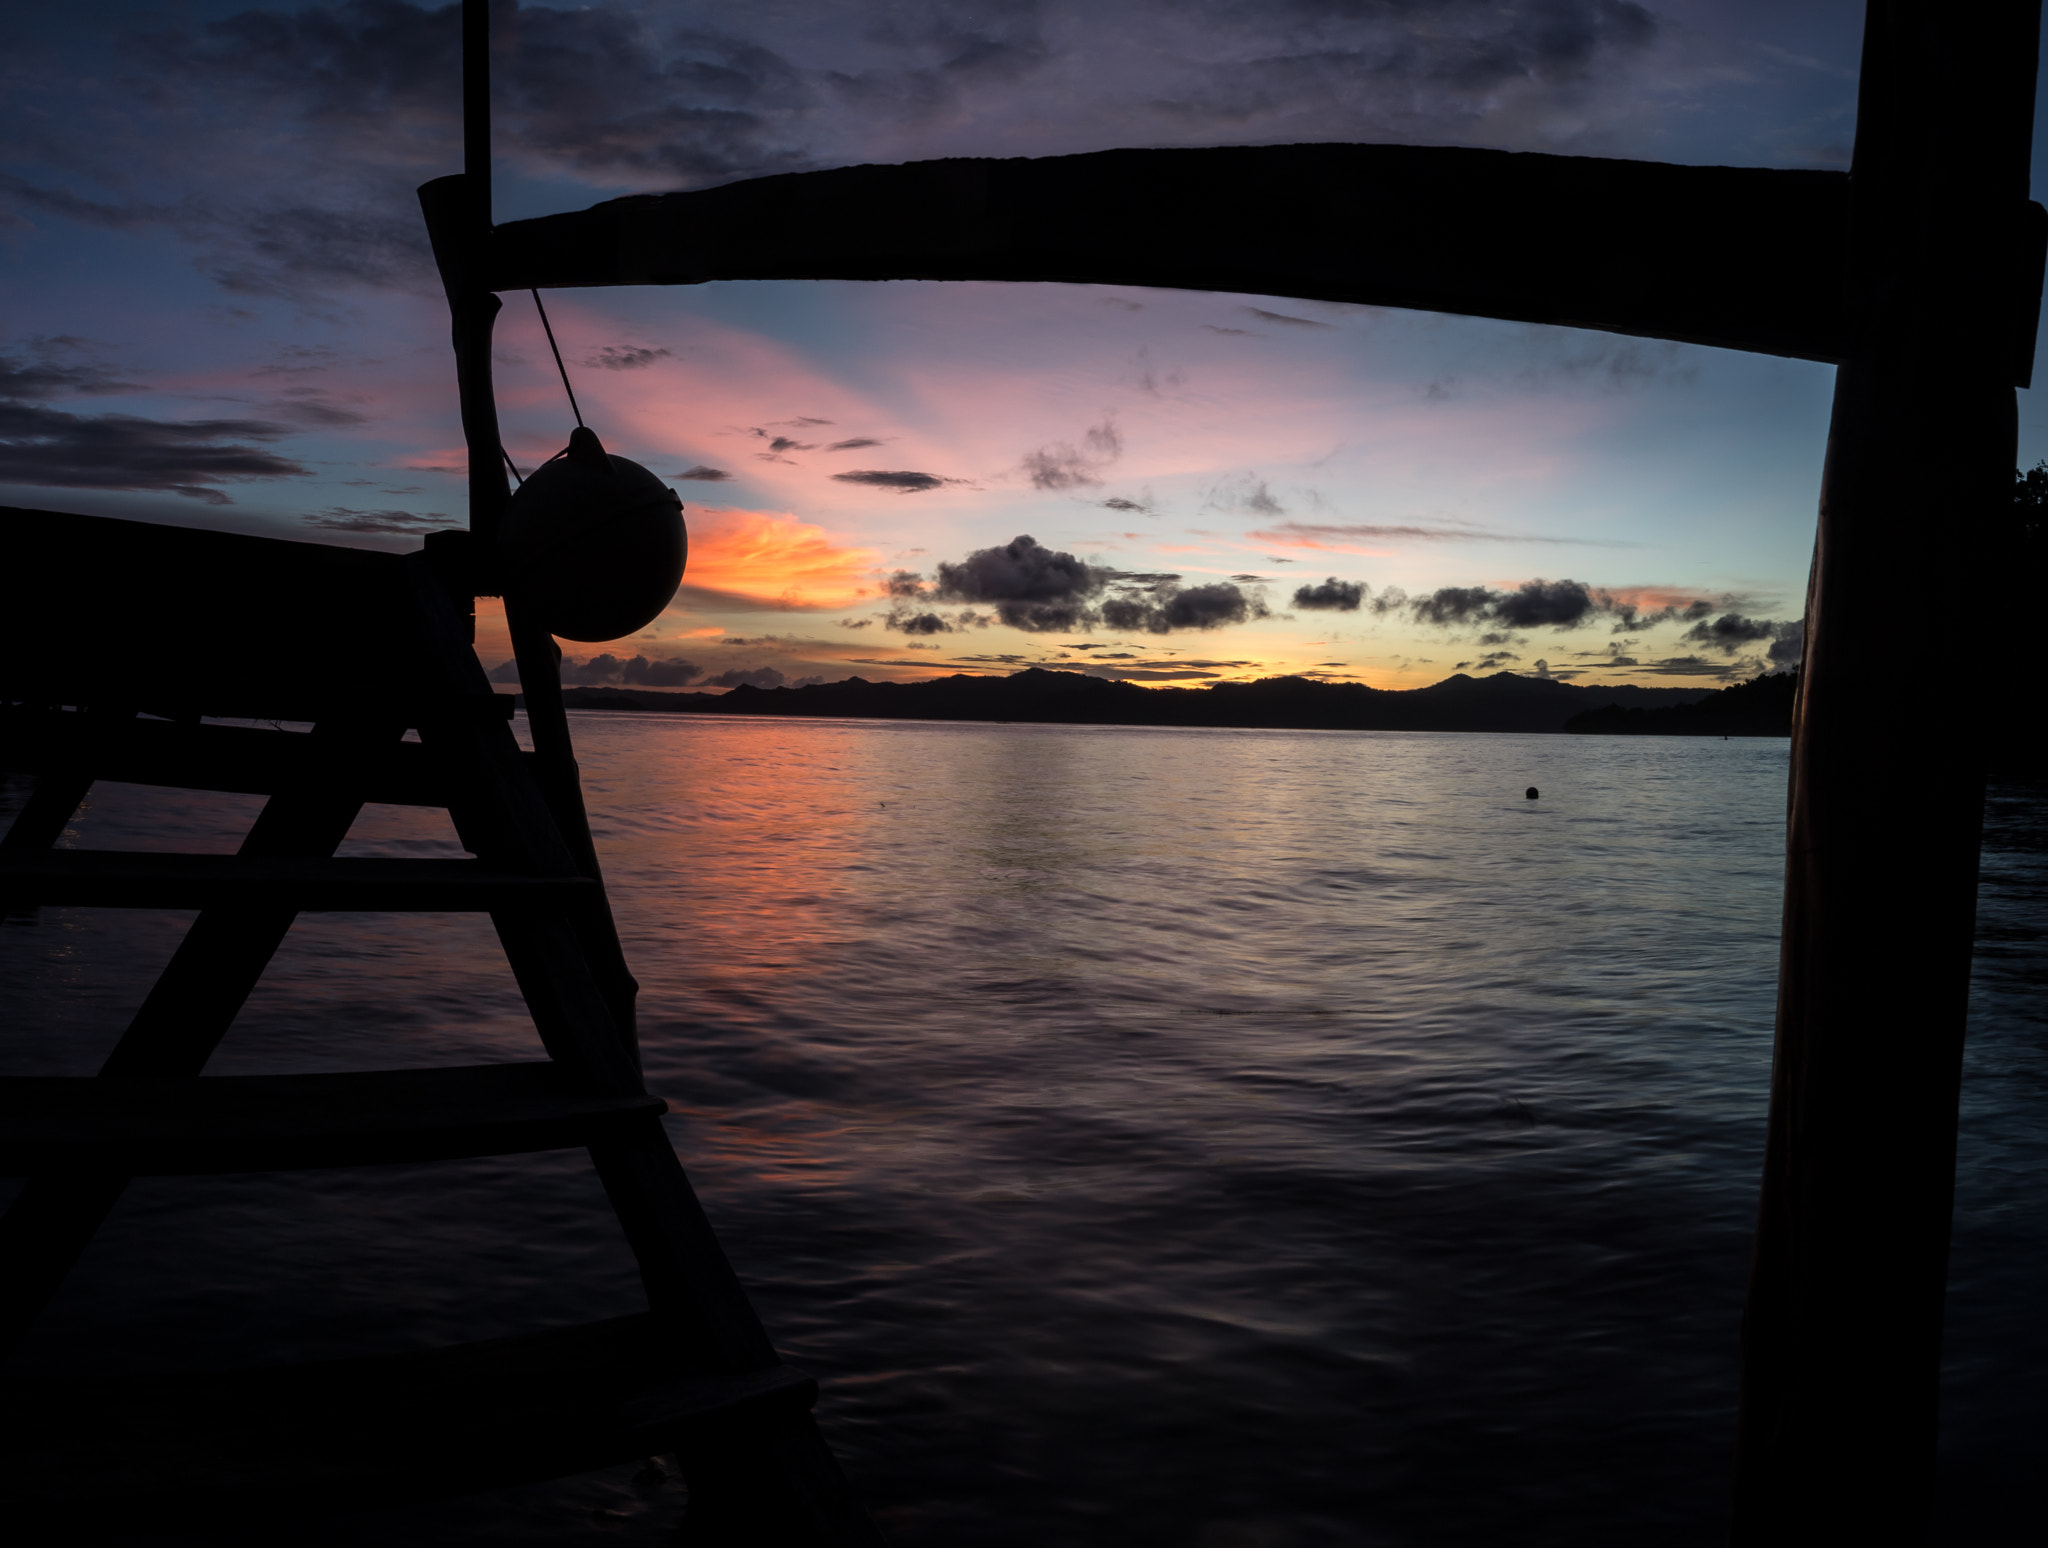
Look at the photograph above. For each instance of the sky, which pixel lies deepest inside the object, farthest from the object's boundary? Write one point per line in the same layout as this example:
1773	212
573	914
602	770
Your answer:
219	311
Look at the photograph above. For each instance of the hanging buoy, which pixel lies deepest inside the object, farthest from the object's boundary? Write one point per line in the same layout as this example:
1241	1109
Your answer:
593	544
1529	794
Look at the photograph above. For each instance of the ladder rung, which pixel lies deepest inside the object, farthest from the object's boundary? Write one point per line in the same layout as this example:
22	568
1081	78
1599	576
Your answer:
245	759
52	1125
278	1444
113	878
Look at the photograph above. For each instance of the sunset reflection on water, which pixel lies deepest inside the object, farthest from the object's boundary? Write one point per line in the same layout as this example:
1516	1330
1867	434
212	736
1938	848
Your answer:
1150	1136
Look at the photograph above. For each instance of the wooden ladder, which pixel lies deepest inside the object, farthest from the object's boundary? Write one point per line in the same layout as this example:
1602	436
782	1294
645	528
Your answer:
695	1374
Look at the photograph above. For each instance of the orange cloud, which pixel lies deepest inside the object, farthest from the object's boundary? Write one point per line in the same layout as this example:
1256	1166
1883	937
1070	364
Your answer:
768	559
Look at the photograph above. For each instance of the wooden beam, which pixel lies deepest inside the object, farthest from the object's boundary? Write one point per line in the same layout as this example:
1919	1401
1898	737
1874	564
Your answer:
1740	257
1842	1336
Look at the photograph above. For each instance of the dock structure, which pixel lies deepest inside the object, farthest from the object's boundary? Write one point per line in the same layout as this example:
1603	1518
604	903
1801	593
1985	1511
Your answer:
1917	274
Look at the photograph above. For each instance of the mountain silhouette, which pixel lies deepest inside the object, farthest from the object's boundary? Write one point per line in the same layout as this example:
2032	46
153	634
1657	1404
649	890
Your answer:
1504	701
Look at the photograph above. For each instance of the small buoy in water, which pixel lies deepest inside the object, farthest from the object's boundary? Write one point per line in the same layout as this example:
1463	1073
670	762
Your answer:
593	543
1529	794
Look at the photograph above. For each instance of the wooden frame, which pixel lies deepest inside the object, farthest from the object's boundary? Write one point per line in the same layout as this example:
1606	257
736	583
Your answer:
1918	274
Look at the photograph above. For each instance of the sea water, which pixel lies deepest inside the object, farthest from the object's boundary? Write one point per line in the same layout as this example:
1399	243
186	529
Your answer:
1209	1138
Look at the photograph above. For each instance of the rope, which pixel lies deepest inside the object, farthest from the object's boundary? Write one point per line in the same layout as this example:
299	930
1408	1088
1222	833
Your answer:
571	391
512	465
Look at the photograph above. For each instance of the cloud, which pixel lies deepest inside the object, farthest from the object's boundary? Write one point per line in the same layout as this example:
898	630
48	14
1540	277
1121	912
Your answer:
1046	591
1192	607
701	474
769	561
625	357
1332	594
620	97
1062	465
669	672
1344	537
1731	631
856	444
60	368
750	677
339	518
46	446
1689	666
1542	604
1118	503
902	483
1283	318
917	623
1031	587
1539	604
635	671
1789	647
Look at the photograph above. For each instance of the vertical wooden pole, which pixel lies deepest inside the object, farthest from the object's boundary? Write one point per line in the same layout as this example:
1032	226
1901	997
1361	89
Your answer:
1842	1335
458	213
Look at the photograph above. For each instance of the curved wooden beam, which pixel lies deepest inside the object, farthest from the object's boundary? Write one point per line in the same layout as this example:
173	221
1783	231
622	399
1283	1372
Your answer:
1740	257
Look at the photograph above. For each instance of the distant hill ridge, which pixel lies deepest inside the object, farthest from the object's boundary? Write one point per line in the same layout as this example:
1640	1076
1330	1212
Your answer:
1760	707
1504	701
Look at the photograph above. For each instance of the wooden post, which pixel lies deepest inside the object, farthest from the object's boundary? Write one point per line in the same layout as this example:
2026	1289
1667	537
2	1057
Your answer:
1842	1336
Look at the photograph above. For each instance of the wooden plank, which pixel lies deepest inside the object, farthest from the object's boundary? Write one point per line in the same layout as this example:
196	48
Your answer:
1842	1335
50	1125
1740	257
253	1448
554	769
244	759
93	878
348	612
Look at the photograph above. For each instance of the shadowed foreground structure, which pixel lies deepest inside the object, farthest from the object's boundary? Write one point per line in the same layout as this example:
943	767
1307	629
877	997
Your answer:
1919	275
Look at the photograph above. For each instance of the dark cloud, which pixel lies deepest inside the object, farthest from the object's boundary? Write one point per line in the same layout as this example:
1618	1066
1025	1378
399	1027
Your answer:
1731	631
1118	503
1629	619
46	446
1239	333
754	677
1063	465
1450	605
703	475
625	357
1689	666
1192	607
1045	591
1541	604
60	368
1030	586
340	518
902	483
634	671
669	672
1332	594
624	97
1789	647
1282	317
856	444
778	444
917	623
903	583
